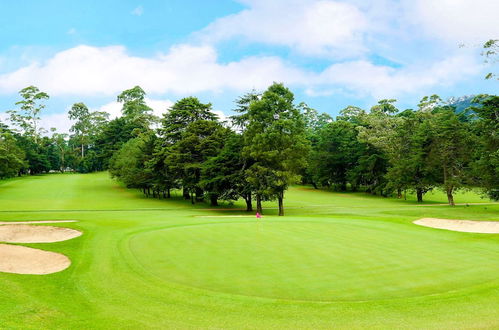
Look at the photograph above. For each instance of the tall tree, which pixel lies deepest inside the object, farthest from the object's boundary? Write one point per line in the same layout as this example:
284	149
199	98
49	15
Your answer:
61	144
82	126
27	117
181	114
135	110
201	140
240	121
223	176
275	138
486	128
335	153
451	149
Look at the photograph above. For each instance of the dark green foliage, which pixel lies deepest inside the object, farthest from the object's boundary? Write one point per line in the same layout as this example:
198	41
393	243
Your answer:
275	138
486	128
181	114
335	153
223	176
11	156
201	140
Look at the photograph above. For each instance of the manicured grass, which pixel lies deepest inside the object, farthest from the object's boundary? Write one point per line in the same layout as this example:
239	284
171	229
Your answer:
336	260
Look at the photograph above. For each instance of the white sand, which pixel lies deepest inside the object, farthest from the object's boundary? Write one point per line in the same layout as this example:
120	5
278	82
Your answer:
23	260
468	226
36	234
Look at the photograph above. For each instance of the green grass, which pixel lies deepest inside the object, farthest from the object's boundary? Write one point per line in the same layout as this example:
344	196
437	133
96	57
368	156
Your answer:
336	260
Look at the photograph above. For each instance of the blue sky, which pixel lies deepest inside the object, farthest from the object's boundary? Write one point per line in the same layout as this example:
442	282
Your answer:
329	53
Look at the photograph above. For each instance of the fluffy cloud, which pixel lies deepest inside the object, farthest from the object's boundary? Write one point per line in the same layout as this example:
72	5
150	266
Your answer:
322	28
88	71
159	107
458	21
91	71
367	79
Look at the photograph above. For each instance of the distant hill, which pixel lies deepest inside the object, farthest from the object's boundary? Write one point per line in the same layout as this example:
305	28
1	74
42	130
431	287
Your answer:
462	103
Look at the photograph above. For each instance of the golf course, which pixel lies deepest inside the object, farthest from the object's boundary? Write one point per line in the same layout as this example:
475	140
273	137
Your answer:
336	260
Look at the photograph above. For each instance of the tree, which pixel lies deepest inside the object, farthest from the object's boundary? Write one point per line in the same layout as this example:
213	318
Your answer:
451	149
175	122
404	139
223	176
314	123
240	121
27	117
491	54
128	163
385	106
163	177
82	126
135	110
11	156
486	128
201	140
335	153
112	136
61	144
86	128
181	114
275	138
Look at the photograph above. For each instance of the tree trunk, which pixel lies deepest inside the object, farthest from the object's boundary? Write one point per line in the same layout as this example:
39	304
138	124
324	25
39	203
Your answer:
399	193
314	185
343	186
199	194
281	205
419	193
82	151
213	200
148	191
450	197
168	195
249	203
259	204
193	201
185	193
448	189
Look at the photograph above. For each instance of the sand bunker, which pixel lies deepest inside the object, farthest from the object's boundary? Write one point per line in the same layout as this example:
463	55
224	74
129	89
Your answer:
36	234
468	226
23	260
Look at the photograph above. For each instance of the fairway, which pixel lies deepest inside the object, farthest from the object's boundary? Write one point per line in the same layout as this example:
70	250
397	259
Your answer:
336	260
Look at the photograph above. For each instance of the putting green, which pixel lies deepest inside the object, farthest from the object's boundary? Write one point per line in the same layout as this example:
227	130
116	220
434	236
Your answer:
335	260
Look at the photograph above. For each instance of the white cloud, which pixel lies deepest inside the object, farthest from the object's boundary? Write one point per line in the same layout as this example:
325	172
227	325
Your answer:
323	28
59	121
138	11
185	69
457	21
367	79
90	71
159	107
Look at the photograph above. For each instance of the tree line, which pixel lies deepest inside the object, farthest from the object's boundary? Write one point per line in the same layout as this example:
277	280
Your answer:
269	144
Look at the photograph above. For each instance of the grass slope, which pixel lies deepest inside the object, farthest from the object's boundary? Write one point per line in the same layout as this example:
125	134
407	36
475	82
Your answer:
338	260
